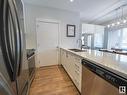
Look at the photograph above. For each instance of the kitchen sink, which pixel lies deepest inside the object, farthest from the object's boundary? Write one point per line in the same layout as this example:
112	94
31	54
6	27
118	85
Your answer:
77	50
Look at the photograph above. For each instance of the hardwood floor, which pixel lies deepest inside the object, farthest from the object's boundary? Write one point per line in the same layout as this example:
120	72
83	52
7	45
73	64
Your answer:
52	81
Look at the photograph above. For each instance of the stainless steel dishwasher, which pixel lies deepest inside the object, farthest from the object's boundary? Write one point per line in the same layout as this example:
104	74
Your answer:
99	81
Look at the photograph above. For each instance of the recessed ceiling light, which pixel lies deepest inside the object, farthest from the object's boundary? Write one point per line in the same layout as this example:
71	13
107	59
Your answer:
124	21
118	22
71	0
113	24
108	26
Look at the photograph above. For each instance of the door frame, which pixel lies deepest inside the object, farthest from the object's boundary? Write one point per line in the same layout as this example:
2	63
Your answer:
59	37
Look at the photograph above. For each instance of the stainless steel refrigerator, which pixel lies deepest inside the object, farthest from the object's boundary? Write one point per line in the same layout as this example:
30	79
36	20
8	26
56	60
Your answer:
13	61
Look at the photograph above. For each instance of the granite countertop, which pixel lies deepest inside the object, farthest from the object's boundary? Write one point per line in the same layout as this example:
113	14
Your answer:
115	63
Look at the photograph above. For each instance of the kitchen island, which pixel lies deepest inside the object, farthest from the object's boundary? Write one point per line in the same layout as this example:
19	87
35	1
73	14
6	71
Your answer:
115	63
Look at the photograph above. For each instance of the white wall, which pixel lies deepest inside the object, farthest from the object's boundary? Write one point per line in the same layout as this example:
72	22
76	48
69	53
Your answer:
65	17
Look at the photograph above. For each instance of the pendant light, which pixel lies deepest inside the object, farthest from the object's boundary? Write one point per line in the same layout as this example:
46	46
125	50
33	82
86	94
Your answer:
71	0
120	19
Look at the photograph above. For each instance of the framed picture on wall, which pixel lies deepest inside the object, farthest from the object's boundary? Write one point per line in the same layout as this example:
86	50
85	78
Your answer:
71	30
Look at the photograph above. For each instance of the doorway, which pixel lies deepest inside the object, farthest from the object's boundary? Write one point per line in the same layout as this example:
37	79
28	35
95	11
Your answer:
47	42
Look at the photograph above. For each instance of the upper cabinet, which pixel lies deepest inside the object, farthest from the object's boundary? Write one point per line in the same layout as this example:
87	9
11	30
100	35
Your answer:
91	28
99	29
92	36
88	28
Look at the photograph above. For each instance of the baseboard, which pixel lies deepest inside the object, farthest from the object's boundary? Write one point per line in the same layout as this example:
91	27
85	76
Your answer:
51	66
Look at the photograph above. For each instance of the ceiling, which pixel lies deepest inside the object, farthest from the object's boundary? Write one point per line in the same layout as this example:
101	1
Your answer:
91	11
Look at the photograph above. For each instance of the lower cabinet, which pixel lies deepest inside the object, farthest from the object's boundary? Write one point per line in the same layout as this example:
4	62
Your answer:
77	71
72	65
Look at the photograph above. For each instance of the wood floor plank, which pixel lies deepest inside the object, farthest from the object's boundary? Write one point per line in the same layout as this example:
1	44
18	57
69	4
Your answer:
52	81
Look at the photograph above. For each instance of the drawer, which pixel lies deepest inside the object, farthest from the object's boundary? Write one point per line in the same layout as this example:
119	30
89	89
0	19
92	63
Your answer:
77	67
77	75
78	62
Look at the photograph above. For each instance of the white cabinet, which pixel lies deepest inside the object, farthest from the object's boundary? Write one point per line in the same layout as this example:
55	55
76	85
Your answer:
63	58
77	71
72	64
91	28
69	64
88	28
99	29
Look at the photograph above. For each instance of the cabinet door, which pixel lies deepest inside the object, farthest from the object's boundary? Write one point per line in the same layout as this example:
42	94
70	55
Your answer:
77	71
71	66
99	29
65	60
88	28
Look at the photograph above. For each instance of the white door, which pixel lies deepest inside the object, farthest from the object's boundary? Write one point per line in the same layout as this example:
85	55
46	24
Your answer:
47	43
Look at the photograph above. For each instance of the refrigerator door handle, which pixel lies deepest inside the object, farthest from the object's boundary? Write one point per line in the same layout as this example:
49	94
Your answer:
20	48
14	45
6	48
20	54
11	39
18	39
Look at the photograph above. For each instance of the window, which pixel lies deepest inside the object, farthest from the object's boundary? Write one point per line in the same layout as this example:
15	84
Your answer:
83	43
89	40
114	39
98	40
118	39
124	39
